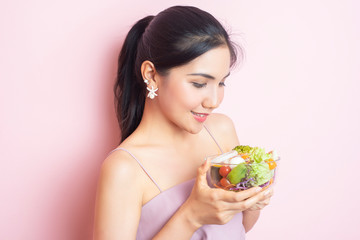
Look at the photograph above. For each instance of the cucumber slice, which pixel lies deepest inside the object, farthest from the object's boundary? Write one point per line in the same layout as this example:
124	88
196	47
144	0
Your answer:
237	174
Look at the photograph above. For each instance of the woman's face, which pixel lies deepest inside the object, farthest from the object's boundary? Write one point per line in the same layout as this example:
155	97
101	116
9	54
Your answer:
189	93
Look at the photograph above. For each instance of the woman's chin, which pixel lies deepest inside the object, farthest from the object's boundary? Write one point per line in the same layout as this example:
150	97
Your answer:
195	129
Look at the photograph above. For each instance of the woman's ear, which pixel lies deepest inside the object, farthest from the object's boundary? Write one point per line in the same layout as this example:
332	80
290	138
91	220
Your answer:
148	73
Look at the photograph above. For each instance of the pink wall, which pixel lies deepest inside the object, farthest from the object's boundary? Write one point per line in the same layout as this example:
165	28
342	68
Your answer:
297	92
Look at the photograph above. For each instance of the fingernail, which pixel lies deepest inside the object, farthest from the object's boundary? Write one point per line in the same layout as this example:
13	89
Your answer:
267	192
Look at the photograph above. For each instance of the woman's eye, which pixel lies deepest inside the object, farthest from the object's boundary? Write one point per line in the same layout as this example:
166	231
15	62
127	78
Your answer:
199	85
222	84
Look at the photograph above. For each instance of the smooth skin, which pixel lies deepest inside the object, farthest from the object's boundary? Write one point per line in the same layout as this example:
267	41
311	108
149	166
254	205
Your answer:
172	146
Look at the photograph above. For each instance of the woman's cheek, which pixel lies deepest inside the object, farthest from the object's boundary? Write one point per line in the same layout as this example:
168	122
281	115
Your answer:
190	96
221	96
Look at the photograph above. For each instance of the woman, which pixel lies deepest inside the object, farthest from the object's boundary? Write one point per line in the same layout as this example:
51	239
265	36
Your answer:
171	76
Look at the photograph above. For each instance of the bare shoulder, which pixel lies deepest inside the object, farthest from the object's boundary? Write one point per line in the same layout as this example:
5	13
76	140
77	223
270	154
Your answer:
119	197
120	169
119	165
220	122
223	129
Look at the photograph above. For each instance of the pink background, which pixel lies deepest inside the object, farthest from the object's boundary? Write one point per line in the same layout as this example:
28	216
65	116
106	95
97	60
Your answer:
297	92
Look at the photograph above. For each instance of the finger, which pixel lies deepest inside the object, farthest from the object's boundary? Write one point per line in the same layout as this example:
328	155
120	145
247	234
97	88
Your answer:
261	199
268	193
265	200
254	208
249	203
261	205
233	197
202	171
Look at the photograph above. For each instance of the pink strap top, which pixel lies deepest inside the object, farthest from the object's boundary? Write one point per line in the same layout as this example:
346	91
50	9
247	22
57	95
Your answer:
157	212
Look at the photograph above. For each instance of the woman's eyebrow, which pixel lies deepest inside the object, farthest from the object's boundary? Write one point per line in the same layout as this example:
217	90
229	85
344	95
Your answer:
206	75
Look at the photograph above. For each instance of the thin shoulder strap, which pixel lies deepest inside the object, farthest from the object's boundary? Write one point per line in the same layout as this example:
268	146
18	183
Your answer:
213	138
139	164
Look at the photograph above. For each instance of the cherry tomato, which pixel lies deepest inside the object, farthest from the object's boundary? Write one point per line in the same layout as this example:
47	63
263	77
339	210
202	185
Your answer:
224	182
272	164
224	170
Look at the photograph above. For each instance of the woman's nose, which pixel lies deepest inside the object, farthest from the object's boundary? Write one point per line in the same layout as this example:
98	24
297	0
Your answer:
212	100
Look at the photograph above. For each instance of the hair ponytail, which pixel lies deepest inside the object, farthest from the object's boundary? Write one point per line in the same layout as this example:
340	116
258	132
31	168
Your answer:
129	90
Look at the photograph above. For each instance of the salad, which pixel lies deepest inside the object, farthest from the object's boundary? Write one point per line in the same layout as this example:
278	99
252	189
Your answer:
243	167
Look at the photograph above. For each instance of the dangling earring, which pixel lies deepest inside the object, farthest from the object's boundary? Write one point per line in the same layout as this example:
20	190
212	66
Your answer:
146	81
152	93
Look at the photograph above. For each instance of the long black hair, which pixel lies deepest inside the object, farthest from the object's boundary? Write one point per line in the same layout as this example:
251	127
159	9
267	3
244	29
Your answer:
172	38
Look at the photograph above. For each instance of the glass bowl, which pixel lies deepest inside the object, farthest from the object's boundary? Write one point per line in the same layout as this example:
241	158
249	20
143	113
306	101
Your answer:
236	173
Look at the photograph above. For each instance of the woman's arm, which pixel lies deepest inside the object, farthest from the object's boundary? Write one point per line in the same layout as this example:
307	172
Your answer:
251	215
250	218
119	198
179	227
119	202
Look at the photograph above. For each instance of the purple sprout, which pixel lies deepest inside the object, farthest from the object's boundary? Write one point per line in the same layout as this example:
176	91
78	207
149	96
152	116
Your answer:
246	184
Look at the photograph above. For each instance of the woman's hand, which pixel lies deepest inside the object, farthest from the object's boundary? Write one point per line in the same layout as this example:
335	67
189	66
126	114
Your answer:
251	215
207	205
263	203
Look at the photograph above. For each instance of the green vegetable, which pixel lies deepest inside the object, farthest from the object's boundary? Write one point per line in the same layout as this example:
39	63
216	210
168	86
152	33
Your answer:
256	171
243	149
260	172
259	155
237	173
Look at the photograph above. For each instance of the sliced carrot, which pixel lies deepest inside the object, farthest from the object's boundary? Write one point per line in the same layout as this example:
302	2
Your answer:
271	163
226	188
245	156
229	186
271	180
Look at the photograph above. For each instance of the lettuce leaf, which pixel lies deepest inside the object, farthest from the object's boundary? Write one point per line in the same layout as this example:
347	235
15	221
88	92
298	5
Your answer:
260	173
259	155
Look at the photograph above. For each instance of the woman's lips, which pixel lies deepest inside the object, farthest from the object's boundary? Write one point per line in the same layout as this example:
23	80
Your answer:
200	117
